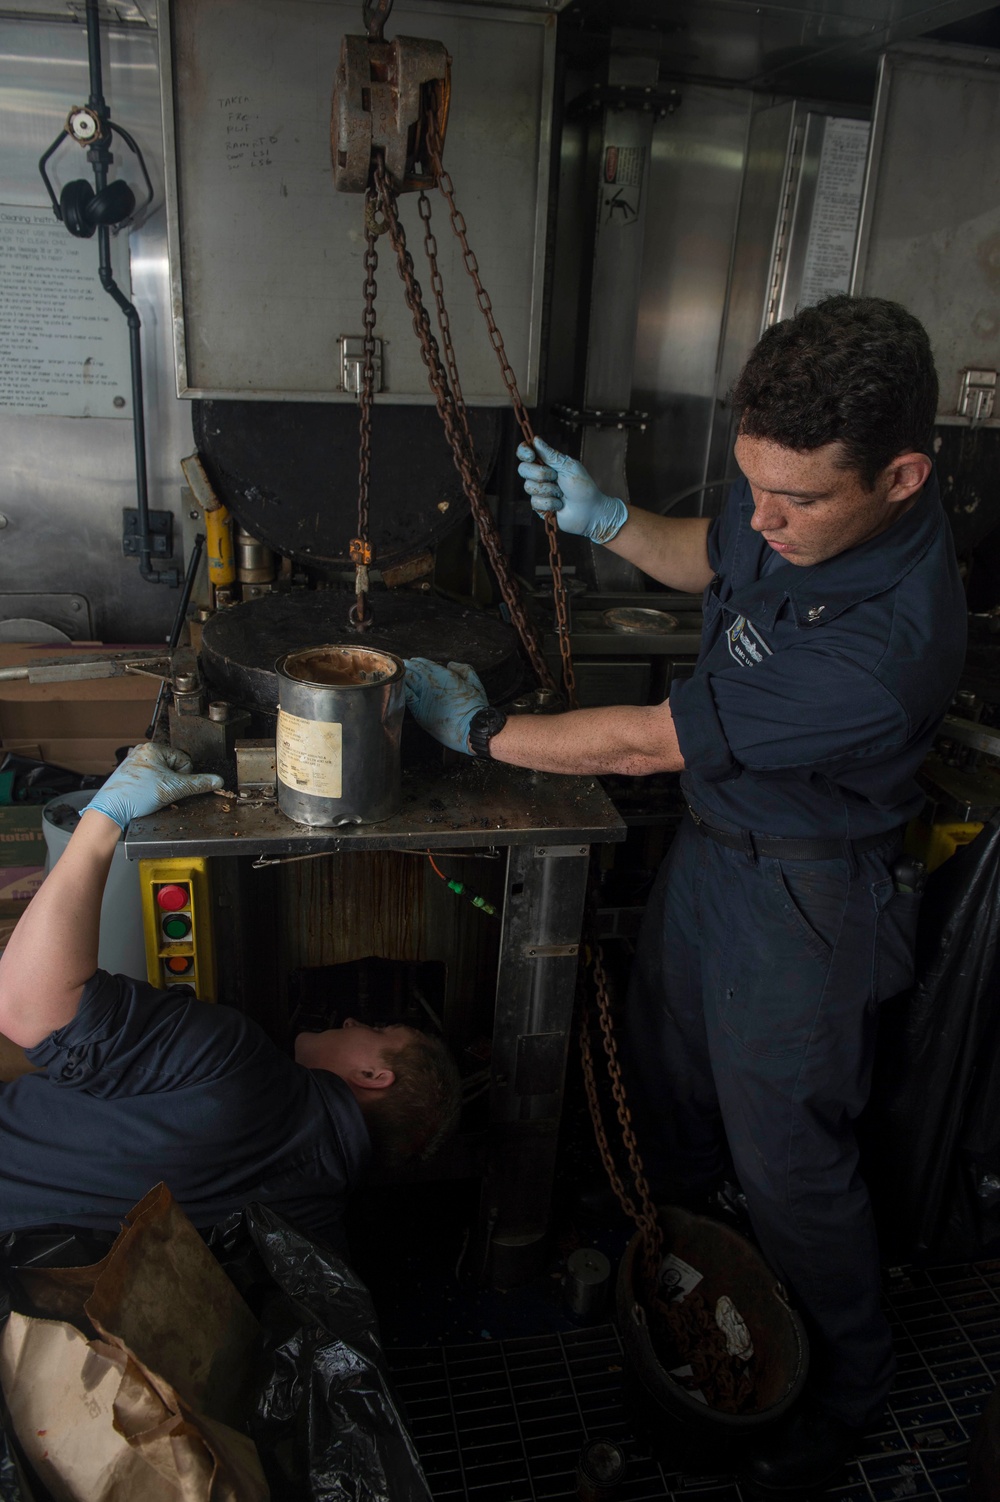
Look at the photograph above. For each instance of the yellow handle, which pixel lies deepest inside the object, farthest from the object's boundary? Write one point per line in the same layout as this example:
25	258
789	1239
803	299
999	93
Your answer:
219	547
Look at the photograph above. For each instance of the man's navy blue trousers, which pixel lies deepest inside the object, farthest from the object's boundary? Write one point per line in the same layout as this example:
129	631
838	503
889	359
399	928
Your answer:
751	1026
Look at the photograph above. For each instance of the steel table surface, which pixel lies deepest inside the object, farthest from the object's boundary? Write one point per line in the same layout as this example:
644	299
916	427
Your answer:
465	806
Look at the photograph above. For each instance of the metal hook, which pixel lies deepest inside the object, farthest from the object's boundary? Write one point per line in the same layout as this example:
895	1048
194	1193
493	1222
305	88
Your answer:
374	224
375	13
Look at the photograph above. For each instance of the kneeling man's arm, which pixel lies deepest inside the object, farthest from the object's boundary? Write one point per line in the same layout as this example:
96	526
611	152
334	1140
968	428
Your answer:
52	952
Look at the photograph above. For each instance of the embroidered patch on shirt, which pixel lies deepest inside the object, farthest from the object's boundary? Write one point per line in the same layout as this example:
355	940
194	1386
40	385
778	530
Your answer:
746	645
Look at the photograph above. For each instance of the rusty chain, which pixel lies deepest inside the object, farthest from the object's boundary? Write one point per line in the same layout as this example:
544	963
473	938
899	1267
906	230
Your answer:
689	1327
361	548
444	330
644	1213
444	321
458	224
463	455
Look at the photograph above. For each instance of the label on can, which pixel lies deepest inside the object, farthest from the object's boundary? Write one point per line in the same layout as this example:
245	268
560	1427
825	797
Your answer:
310	755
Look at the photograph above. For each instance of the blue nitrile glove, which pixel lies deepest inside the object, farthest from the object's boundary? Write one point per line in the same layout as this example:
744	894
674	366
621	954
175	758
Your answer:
562	485
150	777
444	700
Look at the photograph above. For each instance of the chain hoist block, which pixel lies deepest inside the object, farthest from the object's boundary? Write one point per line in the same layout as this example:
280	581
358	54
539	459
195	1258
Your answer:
384	97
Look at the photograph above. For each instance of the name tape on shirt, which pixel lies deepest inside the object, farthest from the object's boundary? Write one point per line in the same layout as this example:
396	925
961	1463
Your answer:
746	645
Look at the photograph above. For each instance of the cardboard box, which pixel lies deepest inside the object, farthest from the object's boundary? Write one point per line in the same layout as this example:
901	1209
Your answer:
20	883
22	852
79	725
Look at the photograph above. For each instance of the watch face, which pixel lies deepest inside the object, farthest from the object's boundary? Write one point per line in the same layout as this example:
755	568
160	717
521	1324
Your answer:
485	723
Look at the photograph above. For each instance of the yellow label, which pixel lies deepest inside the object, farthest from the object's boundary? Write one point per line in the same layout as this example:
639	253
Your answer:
310	755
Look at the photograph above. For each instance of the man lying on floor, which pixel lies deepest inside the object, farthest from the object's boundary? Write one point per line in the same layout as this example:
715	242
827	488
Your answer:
139	1085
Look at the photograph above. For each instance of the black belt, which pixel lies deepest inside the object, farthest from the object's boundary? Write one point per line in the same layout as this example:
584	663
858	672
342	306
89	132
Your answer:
790	850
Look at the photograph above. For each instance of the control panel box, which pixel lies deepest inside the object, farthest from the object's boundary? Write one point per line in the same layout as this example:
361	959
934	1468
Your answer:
177	920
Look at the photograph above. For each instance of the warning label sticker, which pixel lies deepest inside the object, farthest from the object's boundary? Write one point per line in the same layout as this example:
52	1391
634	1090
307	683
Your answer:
310	755
622	193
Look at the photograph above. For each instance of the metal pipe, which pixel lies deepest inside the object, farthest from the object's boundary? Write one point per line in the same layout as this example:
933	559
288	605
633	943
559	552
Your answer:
178	625
97	102
100	157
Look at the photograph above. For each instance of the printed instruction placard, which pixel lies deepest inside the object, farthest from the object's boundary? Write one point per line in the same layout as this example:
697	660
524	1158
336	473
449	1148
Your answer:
830	248
64	344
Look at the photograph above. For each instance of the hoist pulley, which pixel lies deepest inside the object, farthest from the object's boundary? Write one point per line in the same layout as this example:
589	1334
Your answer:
385	96
390	109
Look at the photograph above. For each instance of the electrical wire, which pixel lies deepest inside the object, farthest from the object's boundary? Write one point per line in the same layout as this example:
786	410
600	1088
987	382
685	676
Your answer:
461	890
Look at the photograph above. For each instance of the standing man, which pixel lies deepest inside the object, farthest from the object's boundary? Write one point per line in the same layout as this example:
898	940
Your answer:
833	639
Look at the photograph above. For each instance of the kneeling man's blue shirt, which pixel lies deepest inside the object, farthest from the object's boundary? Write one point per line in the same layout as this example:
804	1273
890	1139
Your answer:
145	1085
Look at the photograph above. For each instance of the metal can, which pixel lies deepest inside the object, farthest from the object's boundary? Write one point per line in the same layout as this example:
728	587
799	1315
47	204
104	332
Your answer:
340	713
588	1278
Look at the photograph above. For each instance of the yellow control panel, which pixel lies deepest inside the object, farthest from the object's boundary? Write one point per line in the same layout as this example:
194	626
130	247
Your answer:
177	921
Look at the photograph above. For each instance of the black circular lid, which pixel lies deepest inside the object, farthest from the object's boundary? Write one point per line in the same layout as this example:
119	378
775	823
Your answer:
289	472
240	646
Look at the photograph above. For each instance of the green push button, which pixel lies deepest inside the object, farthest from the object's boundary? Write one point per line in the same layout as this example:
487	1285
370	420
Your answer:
177	927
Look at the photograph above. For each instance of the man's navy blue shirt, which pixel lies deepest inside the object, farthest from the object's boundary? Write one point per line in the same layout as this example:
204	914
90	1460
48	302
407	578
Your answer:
818	690
146	1085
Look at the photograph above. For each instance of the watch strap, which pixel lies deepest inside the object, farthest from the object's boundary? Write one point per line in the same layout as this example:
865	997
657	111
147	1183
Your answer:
484	725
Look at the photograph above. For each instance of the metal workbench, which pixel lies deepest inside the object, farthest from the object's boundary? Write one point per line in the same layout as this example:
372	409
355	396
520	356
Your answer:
546	823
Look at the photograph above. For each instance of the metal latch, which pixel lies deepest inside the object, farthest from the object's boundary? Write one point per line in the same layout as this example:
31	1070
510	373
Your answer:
161	533
977	394
352	363
256	769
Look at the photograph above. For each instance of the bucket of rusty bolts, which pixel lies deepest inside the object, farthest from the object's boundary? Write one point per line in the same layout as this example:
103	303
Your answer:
340	712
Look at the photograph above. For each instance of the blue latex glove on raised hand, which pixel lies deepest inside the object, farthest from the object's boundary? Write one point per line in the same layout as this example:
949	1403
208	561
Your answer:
444	700
562	485
150	777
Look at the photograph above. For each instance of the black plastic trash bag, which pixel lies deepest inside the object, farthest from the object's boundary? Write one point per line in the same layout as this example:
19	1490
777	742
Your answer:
326	1424
932	1133
324	1420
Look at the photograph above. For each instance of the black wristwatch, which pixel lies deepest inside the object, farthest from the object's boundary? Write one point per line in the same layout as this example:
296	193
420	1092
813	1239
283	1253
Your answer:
484	725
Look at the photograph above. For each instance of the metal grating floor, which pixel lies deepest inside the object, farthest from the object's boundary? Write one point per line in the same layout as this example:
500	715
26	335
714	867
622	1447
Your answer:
504	1420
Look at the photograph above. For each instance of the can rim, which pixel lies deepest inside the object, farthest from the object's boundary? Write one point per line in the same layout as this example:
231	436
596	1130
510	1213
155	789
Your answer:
281	667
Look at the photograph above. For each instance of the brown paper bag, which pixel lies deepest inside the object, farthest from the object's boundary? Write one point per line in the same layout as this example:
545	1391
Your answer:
161	1294
97	1427
125	1394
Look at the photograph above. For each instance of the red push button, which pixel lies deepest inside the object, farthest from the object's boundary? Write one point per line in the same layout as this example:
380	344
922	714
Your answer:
172	897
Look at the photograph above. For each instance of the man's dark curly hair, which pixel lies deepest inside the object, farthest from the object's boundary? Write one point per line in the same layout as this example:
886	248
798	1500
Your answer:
854	370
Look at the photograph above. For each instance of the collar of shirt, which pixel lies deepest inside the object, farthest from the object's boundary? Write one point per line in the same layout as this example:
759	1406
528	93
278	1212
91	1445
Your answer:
821	593
347	1120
